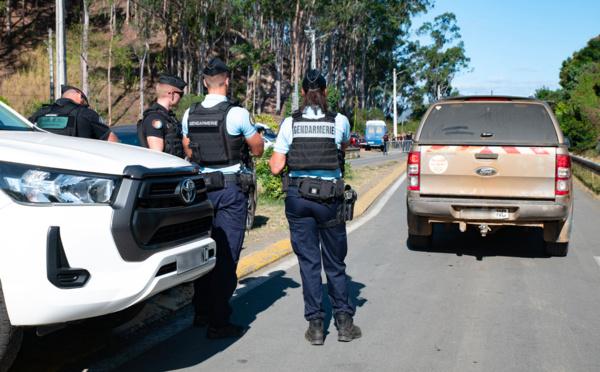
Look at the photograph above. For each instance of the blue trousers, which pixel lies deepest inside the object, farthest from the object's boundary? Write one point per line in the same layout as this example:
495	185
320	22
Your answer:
318	248
213	291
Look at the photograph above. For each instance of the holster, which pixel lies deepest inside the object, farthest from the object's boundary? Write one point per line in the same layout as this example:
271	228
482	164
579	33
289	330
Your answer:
214	181
319	189
246	182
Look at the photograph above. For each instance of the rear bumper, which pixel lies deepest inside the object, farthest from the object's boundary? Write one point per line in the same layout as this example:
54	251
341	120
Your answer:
468	210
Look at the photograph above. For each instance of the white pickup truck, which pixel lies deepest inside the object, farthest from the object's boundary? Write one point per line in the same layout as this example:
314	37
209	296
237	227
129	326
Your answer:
90	228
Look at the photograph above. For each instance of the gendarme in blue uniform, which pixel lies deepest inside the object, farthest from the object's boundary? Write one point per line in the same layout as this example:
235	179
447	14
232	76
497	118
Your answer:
213	291
317	247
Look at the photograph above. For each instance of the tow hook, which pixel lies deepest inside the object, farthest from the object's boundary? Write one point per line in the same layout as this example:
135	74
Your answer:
484	229
462	226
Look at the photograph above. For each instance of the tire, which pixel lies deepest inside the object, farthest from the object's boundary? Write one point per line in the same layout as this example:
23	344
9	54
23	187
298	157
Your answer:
10	338
556	249
368	148
251	210
420	241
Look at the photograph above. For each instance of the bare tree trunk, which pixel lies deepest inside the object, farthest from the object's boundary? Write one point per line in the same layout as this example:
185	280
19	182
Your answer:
127	6
8	18
146	47
84	49
112	38
279	67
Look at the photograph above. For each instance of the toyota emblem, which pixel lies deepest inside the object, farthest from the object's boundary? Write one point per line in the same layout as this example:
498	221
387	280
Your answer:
187	191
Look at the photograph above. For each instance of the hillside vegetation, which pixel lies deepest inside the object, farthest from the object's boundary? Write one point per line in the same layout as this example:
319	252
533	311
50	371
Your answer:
266	43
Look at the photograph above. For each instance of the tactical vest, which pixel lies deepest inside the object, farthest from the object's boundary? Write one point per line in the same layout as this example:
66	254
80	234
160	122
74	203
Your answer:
59	118
210	143
313	144
173	140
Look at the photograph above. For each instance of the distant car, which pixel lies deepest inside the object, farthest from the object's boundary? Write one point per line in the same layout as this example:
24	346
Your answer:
268	142
266	131
127	134
362	142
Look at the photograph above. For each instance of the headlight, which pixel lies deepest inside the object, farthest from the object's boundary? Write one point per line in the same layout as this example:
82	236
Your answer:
38	185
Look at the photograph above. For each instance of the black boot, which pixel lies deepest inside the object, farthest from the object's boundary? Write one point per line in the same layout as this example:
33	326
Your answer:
315	332
347	331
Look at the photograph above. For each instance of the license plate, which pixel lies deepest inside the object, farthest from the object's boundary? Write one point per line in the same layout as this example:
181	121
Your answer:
191	260
501	214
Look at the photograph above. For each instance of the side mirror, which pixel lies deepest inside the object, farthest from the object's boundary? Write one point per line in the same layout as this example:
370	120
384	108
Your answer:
568	142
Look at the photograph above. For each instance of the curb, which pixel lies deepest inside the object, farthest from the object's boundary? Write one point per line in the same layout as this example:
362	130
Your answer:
272	253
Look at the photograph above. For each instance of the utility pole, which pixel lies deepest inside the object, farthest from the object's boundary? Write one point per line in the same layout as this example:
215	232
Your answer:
61	51
395	109
51	62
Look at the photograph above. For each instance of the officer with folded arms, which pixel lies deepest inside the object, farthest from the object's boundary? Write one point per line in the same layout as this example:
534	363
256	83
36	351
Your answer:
159	128
219	135
317	203
71	116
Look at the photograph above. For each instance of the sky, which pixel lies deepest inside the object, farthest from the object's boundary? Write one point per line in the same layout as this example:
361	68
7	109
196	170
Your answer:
517	46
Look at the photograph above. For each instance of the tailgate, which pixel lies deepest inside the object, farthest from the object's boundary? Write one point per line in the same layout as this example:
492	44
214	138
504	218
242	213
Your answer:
488	171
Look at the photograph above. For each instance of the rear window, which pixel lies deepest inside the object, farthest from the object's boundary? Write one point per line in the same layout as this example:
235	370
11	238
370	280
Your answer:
375	129
507	123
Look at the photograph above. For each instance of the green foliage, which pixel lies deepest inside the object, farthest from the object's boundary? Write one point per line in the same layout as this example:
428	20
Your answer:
267	120
186	101
4	100
271	185
334	97
582	134
440	62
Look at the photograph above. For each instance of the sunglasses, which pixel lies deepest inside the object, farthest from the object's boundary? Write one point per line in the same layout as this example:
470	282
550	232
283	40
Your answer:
178	92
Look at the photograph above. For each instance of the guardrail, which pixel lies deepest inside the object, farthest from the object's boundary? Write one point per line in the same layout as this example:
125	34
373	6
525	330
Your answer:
587	172
589	165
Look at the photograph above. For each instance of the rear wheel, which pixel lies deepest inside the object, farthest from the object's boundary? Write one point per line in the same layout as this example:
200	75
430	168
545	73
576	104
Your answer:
556	249
420	231
10	337
420	241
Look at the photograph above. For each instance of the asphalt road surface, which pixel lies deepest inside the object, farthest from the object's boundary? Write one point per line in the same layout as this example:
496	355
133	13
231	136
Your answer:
468	304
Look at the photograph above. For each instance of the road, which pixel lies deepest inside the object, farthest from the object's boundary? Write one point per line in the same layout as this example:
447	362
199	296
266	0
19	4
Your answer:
469	304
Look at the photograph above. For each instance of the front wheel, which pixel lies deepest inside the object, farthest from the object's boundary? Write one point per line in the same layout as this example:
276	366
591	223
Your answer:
252	198
10	338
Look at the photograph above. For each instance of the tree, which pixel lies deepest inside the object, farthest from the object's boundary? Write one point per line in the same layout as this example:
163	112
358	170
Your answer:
440	63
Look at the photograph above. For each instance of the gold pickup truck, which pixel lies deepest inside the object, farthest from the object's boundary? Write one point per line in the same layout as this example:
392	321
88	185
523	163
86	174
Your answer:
490	162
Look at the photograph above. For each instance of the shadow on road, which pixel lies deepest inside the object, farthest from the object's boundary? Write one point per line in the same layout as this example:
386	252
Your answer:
510	241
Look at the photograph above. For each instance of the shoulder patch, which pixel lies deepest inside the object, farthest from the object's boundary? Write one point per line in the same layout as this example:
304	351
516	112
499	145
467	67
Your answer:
157	124
251	119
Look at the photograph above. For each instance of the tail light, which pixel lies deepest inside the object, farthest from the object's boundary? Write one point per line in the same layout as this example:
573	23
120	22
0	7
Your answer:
414	170
563	174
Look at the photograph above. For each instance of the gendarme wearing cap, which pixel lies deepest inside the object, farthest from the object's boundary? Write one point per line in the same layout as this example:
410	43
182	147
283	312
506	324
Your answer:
172	80
215	67
65	88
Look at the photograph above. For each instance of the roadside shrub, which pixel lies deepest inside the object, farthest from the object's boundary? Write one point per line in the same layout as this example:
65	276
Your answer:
271	185
582	135
267	120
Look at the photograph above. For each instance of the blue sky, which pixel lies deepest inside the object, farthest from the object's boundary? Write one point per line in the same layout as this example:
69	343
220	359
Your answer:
517	46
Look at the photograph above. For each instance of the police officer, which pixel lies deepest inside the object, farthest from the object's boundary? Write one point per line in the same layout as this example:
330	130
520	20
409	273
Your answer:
159	128
71	116
311	139
218	135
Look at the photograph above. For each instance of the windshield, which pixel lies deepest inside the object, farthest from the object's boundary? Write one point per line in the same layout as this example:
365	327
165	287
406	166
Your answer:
10	121
489	122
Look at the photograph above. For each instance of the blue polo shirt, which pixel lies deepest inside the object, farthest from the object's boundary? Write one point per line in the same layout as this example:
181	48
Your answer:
238	122
285	137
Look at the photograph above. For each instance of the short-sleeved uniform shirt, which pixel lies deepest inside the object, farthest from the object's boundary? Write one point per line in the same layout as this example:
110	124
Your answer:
238	122
155	124
285	137
89	123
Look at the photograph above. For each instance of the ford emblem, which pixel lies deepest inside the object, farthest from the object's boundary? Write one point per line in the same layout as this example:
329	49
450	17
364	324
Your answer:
486	171
187	191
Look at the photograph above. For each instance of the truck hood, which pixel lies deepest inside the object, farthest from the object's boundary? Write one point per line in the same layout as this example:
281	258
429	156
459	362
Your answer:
79	154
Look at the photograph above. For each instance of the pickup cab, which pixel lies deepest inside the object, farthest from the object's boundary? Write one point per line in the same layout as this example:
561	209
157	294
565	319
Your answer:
91	228
490	162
